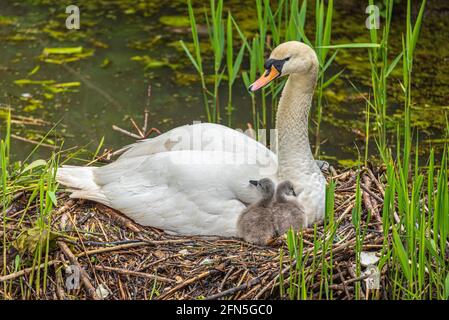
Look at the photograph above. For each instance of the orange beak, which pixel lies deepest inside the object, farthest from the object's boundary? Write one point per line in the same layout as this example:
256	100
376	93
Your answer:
265	79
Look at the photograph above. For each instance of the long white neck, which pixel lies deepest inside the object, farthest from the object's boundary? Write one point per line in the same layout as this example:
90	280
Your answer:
295	159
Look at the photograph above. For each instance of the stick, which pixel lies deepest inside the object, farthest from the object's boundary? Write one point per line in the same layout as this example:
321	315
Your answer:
105	243
121	150
376	182
23	272
345	287
33	142
135	273
137	128
127	246
357	279
124	221
347	210
129	134
367	200
103	250
65	207
145	117
147	109
17	195
187	282
354	276
151	131
225	278
372	194
241	287
83	274
343	175
60	293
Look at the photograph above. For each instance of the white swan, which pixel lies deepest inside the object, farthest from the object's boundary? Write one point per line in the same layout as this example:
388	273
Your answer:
194	179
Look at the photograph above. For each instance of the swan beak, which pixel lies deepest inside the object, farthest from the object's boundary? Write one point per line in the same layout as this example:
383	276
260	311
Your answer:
254	182
265	79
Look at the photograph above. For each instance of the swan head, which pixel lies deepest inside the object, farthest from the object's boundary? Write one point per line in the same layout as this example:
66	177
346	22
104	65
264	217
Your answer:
292	57
265	186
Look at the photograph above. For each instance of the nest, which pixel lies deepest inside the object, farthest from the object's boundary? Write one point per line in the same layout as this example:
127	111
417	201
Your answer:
114	258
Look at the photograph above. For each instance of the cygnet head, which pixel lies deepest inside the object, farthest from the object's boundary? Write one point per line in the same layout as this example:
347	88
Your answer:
285	190
265	186
292	57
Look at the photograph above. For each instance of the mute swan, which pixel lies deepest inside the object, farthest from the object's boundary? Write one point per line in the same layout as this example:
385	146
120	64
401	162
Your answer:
286	211
255	224
194	179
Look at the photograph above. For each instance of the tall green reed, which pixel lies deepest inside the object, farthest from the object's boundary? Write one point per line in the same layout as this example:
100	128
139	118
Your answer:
4	161
323	30
416	255
311	269
220	36
380	70
233	66
38	179
197	60
215	27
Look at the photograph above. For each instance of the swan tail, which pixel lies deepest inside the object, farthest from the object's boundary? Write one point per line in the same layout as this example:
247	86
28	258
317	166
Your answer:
80	182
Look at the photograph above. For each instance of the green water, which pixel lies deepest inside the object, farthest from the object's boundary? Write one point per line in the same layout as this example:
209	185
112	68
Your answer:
113	86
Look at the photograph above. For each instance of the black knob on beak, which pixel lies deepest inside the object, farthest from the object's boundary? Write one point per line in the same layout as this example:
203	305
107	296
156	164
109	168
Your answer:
267	65
254	182
278	64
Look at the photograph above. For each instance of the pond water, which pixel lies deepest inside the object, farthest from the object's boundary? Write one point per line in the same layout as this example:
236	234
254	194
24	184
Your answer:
135	44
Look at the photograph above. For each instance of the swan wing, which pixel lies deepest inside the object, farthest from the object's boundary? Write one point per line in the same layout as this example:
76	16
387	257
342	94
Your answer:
199	136
186	192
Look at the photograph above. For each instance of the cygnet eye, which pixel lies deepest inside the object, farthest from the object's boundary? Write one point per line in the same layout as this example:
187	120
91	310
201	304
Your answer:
286	59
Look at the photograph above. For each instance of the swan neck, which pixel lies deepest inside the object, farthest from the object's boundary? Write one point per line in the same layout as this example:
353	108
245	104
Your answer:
294	154
280	198
265	202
